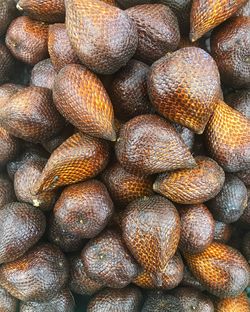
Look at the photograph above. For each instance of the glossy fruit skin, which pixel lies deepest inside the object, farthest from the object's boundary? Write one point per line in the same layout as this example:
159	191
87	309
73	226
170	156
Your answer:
230	203
116	300
240	100
79	158
151	231
31	115
222	232
79	281
60	50
197	228
43	74
7	14
148	144
27	40
231	152
170	278
179	90
159	302
193	300
206	15
105	40
128	90
21	277
7	194
49	11
222	270
124	187
158	31
230	47
7	63
7	302
107	260
82	99
84	209
62	302
192	186
237	304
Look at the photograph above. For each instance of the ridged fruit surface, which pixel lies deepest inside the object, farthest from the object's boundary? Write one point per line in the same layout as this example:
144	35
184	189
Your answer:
245	218
159	302
240	100
222	232
7	194
237	304
7	302
43	74
6	65
186	134
244	175
179	89
7	90
7	13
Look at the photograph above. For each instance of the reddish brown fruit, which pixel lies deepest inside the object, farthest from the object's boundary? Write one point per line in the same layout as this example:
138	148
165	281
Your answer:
148	144
7	13
6	65
206	15
151	230
170	278
79	281
237	304
192	186
38	275
7	90
28	40
7	194
9	147
43	74
197	228
31	115
232	152
7	302
222	232
21	227
124	187
103	36
82	99
240	100
221	269
84	209
79	158
158	31
49	11
60	49
179	89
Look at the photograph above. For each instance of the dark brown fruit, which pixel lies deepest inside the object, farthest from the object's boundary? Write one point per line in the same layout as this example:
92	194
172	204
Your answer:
7	194
128	90
158	31
130	3
240	100
192	186
170	278
116	300
159	302
230	47
237	304
31	115
49	11
179	89
21	227
244	175
103	36
151	230
148	144
197	228
38	275
60	50
230	203
7	302
232	152
206	15
79	281
190	281
246	246
28	40
186	135
221	269
192	299
245	218
107	260
84	209
124	187
62	302
51	144
81	98
9	147
79	158
7	63
43	74
222	232
7	13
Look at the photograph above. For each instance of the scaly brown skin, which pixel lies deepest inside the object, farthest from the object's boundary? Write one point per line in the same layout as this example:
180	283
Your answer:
81	98
239	100
192	186
237	304
158	302
148	144
205	15
223	232
180	91
50	11
230	48
232	152
28	40
7	63
9	147
190	281
60	50
43	74
245	218
187	135
7	90
7	13
79	158
171	277
30	115
122	300
221	269
151	230
51	144
7	193
244	175
63	302
244	10
7	302
158	31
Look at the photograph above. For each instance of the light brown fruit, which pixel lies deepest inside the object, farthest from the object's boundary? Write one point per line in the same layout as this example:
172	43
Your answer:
43	74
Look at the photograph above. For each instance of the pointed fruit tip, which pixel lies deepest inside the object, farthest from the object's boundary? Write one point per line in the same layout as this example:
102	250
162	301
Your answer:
18	6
